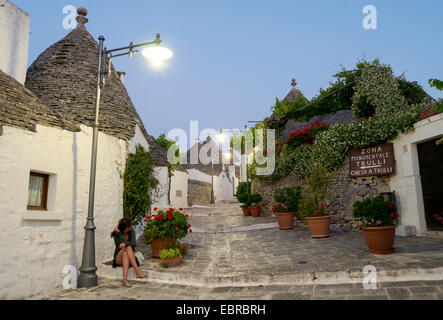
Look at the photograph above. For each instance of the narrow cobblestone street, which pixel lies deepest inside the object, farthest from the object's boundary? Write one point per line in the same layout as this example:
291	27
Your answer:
236	257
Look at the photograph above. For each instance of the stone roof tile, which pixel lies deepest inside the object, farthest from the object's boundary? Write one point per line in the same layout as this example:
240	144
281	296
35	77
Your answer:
64	78
20	108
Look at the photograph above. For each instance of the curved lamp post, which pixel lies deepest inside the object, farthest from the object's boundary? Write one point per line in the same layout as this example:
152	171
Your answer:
156	53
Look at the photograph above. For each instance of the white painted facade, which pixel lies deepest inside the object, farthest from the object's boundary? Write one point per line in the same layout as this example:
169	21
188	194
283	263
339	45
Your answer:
160	194
138	139
36	246
179	189
14	36
407	182
194	174
223	188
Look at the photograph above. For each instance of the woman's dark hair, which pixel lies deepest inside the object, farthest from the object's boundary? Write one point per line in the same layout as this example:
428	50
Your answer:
122	225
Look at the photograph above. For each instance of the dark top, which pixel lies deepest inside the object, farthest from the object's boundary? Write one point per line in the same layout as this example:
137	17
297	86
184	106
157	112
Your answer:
119	239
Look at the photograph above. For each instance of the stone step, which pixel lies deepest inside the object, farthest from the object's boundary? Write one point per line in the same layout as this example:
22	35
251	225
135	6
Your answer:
260	279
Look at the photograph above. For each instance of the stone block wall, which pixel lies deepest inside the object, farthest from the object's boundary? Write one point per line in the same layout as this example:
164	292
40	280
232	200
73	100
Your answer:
199	192
346	191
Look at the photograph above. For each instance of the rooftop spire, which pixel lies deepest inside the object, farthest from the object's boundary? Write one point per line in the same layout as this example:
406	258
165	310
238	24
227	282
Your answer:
293	94
81	18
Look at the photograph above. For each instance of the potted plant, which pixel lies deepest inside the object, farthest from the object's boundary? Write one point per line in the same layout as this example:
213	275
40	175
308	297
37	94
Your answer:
174	256
287	200
243	197
313	205
254	200
164	228
378	220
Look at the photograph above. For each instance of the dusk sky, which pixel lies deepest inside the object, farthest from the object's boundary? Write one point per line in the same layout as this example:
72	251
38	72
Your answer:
233	58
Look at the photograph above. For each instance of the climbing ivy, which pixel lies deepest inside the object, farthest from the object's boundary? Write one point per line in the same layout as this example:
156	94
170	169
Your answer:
139	181
166	144
438	84
387	115
338	96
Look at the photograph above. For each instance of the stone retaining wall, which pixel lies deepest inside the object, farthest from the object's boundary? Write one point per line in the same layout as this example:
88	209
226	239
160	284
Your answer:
346	191
198	192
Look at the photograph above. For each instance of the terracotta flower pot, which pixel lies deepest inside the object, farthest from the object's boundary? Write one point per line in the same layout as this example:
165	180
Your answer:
380	240
255	211
172	261
158	244
285	220
319	226
246	212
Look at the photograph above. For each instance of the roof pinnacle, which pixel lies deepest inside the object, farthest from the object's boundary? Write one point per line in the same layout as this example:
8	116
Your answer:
81	18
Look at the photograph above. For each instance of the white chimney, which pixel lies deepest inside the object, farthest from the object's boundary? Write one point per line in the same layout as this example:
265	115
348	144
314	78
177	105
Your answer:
14	40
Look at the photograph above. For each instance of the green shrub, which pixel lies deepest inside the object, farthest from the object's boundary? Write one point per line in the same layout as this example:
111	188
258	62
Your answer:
375	212
138	181
315	194
243	193
288	199
178	251
255	198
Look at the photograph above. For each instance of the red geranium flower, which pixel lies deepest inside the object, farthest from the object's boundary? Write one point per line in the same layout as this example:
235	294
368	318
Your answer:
190	230
155	209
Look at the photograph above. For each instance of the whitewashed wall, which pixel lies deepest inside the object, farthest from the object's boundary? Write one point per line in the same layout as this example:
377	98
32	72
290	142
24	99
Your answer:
160	195
194	174
406	182
35	246
138	139
179	189
14	39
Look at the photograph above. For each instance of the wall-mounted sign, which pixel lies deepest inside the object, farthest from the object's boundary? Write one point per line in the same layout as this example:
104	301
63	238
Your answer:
372	161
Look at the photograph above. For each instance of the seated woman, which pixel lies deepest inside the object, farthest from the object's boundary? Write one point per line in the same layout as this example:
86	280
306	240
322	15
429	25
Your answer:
125	242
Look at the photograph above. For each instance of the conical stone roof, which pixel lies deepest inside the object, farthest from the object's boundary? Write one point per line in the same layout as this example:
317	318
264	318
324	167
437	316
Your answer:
20	108
293	94
64	77
209	144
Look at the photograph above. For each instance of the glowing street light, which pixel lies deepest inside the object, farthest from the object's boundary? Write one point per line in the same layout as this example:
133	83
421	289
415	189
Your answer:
157	54
221	137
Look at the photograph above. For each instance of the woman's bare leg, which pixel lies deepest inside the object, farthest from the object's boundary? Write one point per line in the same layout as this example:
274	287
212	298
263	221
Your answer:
122	259
133	260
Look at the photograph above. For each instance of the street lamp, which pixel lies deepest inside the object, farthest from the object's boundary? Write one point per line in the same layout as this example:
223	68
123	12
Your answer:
156	53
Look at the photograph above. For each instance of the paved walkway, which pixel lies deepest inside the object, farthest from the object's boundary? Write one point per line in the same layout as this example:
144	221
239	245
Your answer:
113	290
236	257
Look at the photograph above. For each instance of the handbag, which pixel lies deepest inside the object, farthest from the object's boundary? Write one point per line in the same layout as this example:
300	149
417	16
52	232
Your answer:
139	258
